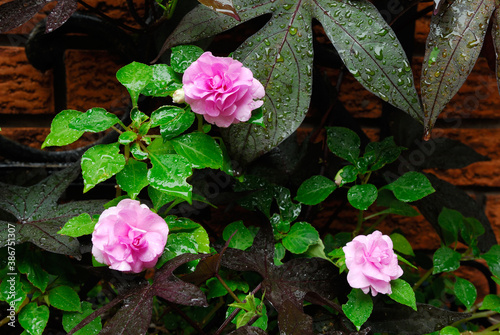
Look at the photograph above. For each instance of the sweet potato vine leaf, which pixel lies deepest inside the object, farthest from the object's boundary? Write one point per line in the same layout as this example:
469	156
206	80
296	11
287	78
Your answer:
134	316
286	286
38	215
453	46
15	13
281	58
221	6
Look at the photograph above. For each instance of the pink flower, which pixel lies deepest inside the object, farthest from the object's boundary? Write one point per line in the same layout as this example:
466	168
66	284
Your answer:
129	237
222	90
372	263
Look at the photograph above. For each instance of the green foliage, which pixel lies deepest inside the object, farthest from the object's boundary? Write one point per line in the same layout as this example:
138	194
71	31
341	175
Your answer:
300	237
135	77
71	319
100	163
314	190
94	120
133	177
446	260
403	293
358	308
60	132
362	196
243	237
411	186
34	318
64	298
465	291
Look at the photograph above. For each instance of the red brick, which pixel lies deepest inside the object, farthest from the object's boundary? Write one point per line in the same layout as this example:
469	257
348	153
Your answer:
91	81
24	89
493	212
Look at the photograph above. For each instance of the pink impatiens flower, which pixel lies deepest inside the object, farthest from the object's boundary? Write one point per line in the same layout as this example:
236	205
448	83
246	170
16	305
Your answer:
222	90
372	263
129	237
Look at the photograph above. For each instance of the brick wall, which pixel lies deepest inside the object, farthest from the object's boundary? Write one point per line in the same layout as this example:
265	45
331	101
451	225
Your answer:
29	97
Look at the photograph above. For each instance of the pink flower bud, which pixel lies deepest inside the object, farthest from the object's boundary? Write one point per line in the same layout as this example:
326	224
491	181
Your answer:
222	90
129	237
372	263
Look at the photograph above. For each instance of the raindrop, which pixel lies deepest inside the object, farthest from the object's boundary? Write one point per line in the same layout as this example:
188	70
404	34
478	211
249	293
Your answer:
437	74
473	44
279	58
379	53
292	30
287	6
266	42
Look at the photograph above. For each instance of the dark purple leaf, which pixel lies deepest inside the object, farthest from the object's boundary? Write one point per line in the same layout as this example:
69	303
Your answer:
134	317
15	13
280	56
60	14
286	286
495	32
453	46
40	217
221	6
399	319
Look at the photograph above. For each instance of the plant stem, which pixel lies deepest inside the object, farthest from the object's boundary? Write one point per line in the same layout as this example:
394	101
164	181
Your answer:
373	226
480	315
422	279
200	122
227	288
359	225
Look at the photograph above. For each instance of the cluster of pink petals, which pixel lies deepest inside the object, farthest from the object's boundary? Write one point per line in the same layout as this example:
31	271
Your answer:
221	89
372	263
129	237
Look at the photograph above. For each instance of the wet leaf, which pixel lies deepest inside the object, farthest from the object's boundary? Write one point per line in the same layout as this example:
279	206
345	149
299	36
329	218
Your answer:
465	291
286	286
243	238
402	292
78	226
398	319
94	120
71	319
138	301
164	82
12	292
344	143
133	177
15	13
169	174
492	257
100	163
362	196
30	264
60	132
60	14
314	190
280	56
491	302
34	318
300	237
221	6
40	217
411	186
200	149
172	120
65	298
458	32
183	56
358	308
135	77
446	260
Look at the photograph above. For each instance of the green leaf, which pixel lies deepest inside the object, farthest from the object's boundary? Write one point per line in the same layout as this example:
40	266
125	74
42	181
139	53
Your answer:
78	226
257	117
100	163
300	237
60	132
471	230
65	298
133	177
401	244
136	151
159	198
451	222
465	291
11	290
30	265
491	302
200	149
135	77
172	120
259	310
217	290
362	196
358	308
445	260
443	76
183	55
492	257
243	238
382	153
34	318
411	186
279	254
344	143
127	137
94	120
159	147
386	198
402	292
169	174
449	330
314	190
164	82
71	319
